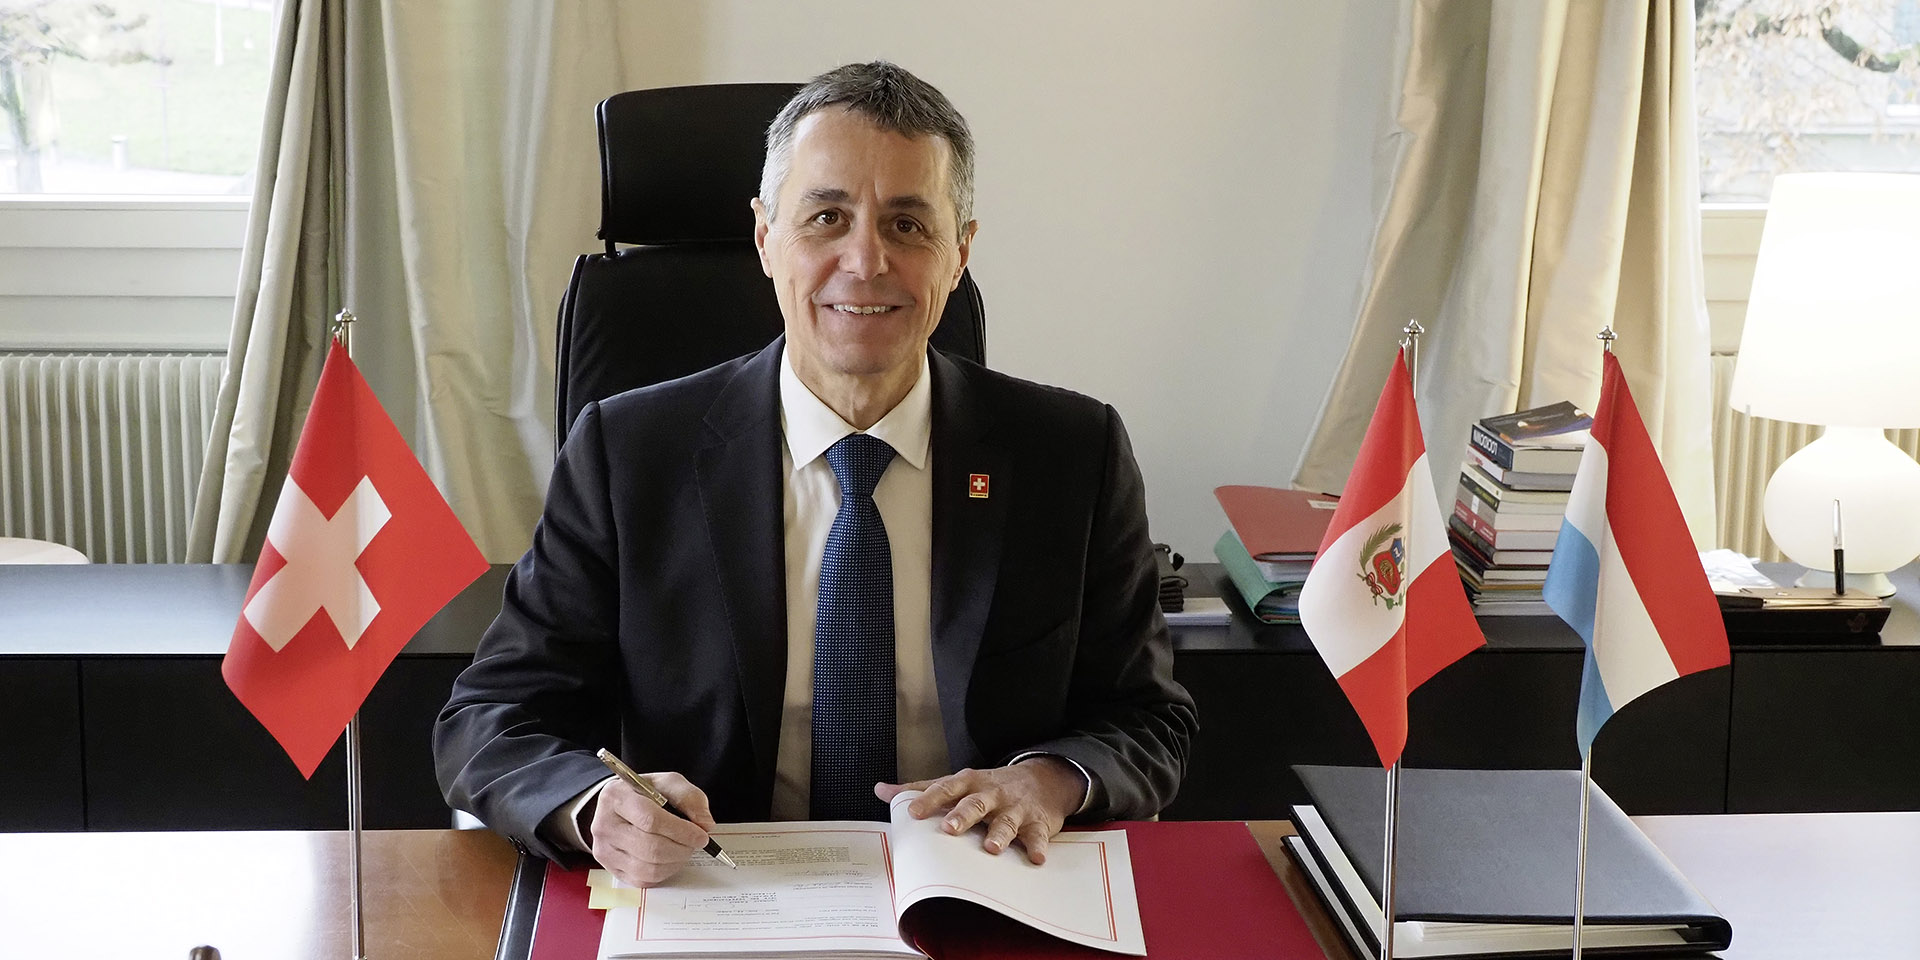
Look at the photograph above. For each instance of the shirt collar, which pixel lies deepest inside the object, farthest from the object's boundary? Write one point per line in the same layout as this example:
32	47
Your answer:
811	426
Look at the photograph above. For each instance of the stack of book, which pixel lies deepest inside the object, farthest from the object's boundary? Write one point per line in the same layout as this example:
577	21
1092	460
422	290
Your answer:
1512	499
1269	545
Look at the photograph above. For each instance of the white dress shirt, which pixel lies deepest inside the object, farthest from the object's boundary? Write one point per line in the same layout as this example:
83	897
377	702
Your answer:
811	500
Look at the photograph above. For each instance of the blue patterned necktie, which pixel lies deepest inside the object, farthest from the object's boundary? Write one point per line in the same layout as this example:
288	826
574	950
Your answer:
853	689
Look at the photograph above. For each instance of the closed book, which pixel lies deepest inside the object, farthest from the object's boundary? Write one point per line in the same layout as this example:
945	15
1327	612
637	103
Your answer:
1498	556
1500	575
1503	498
1275	524
1547	439
1470	554
1504	590
1511	608
1520	480
1486	866
1506	538
1284	571
1540	516
1531	588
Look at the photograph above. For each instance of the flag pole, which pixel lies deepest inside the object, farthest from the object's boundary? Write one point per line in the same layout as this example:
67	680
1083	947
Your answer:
342	330
1387	881
1580	878
1409	342
1606	338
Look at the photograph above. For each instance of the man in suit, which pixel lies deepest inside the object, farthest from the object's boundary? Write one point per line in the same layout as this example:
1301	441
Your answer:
715	592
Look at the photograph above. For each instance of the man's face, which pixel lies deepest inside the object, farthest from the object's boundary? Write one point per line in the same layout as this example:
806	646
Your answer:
864	249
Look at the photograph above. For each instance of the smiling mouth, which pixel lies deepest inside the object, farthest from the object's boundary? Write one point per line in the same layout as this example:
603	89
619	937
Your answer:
863	310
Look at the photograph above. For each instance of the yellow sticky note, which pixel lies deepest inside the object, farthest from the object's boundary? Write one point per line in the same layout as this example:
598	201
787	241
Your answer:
605	893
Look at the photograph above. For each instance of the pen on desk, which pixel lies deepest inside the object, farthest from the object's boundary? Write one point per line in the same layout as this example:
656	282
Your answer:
1839	556
646	789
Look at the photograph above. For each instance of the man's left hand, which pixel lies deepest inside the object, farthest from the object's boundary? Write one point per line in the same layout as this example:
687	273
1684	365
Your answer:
1028	801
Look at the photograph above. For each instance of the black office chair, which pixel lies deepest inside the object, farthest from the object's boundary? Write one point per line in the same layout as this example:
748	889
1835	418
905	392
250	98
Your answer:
677	167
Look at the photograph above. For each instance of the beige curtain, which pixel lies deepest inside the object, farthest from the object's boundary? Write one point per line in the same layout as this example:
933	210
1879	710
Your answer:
288	286
1544	184
430	165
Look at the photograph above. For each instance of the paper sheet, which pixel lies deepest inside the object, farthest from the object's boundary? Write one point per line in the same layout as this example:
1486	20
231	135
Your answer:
1083	893
814	887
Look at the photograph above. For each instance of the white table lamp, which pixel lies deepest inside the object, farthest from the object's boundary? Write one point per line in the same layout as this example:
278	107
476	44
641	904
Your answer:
1832	337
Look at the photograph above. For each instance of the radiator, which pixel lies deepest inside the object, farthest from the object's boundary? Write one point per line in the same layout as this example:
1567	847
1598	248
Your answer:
102	451
1745	452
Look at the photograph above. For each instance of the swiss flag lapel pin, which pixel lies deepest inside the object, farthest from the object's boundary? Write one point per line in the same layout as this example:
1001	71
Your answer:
977	486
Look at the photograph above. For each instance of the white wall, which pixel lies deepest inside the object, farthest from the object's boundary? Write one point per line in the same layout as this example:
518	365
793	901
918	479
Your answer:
1175	198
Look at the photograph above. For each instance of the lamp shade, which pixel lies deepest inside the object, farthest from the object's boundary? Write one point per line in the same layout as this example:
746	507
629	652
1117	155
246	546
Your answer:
1832	334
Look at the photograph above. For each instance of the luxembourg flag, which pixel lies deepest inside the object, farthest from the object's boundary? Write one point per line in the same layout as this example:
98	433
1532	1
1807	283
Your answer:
1383	603
1625	574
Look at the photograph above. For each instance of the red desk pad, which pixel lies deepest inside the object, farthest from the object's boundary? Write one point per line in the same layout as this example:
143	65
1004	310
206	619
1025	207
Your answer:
1206	893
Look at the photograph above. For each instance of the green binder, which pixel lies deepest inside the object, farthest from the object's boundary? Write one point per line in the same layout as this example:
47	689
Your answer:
1270	602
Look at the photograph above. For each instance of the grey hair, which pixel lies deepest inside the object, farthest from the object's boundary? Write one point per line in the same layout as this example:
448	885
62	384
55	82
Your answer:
894	100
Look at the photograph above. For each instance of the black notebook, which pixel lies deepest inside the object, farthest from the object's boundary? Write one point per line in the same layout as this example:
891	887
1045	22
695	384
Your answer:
1487	862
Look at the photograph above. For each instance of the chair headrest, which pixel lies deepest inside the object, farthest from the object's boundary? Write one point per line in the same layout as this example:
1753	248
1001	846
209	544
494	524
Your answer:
679	164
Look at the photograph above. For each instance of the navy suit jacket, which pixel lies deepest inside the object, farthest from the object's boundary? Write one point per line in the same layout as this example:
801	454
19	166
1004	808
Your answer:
650	614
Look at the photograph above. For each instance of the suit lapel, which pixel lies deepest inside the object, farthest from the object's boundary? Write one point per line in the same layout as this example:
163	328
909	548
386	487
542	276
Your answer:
967	536
741	495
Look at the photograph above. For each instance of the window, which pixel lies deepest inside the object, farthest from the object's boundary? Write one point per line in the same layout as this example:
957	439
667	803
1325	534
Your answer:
1804	85
132	97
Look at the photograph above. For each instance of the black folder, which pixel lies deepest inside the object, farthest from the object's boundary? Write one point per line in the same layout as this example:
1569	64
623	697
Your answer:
1487	862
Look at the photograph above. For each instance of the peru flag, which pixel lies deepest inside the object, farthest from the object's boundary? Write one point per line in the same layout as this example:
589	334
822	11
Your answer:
1383	603
1625	573
360	553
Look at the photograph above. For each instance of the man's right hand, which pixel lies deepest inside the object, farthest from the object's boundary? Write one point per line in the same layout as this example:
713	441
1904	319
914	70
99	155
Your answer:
641	843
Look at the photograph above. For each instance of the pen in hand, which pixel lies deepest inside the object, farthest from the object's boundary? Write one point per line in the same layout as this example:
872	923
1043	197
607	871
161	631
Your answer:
646	789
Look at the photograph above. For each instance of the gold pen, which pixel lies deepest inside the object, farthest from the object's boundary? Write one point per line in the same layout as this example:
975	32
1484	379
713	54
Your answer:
646	789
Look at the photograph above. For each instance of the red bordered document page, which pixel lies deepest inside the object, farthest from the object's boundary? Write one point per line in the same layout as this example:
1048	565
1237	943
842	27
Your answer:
843	889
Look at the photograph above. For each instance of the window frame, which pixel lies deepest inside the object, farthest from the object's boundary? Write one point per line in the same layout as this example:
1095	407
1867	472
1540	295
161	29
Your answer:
106	273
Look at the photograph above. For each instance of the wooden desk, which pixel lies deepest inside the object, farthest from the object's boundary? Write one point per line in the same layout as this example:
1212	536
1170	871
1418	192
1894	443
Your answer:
1804	885
1799	886
1269	834
431	895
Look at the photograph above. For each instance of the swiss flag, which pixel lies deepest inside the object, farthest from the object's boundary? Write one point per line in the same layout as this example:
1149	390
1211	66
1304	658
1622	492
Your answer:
361	551
1383	603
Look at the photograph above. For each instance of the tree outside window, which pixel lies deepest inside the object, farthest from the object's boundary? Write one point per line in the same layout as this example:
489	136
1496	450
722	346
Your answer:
132	96
1785	86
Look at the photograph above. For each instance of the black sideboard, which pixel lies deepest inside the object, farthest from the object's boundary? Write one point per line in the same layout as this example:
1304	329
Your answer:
118	719
110	689
1826	723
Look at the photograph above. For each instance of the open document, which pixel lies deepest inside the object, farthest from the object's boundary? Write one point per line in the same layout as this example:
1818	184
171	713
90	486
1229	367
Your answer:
846	888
